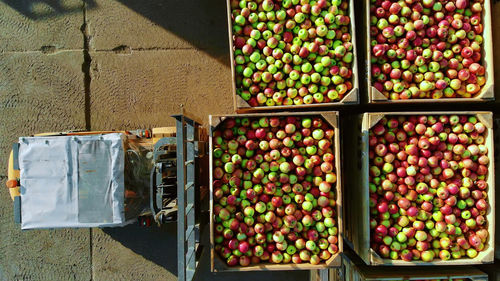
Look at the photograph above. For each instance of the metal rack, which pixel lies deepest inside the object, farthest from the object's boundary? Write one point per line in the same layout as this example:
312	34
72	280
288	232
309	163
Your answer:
175	193
163	190
186	198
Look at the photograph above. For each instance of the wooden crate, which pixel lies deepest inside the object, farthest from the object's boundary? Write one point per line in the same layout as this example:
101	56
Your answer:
487	92
497	177
353	269
357	231
216	263
352	97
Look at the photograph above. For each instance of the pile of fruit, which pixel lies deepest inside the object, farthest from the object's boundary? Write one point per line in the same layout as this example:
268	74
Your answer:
428	187
427	48
274	190
291	52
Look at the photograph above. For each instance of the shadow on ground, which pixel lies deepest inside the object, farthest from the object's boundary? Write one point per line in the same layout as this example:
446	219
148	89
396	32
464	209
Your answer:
44	9
156	244
159	245
200	22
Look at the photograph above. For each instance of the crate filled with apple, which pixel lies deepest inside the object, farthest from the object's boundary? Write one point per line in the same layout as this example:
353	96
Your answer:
275	191
427	192
429	50
292	53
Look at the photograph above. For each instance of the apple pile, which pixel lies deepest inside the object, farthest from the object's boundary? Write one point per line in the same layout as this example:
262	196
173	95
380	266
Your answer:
291	52
428	189
274	190
427	48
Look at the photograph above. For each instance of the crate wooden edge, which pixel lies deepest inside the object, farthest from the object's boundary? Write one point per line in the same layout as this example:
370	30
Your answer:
211	192
351	169
331	274
339	187
231	52
378	98
361	243
354	269
355	69
334	262
216	265
353	97
487	92
331	116
496	132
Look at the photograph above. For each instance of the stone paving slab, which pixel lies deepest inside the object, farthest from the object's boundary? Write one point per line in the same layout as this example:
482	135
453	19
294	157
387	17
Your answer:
55	255
134	253
143	89
175	24
138	253
36	25
138	90
39	93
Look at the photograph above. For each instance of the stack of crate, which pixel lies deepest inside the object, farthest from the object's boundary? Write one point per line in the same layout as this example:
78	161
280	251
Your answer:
352	135
365	262
244	109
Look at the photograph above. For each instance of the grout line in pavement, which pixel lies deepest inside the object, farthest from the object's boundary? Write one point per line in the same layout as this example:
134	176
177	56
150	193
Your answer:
41	52
87	60
115	50
91	256
123	49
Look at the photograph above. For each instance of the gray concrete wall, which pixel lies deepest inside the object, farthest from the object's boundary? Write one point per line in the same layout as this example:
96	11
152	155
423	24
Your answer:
106	64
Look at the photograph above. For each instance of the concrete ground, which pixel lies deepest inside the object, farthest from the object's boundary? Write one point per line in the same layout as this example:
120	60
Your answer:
72	64
109	64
